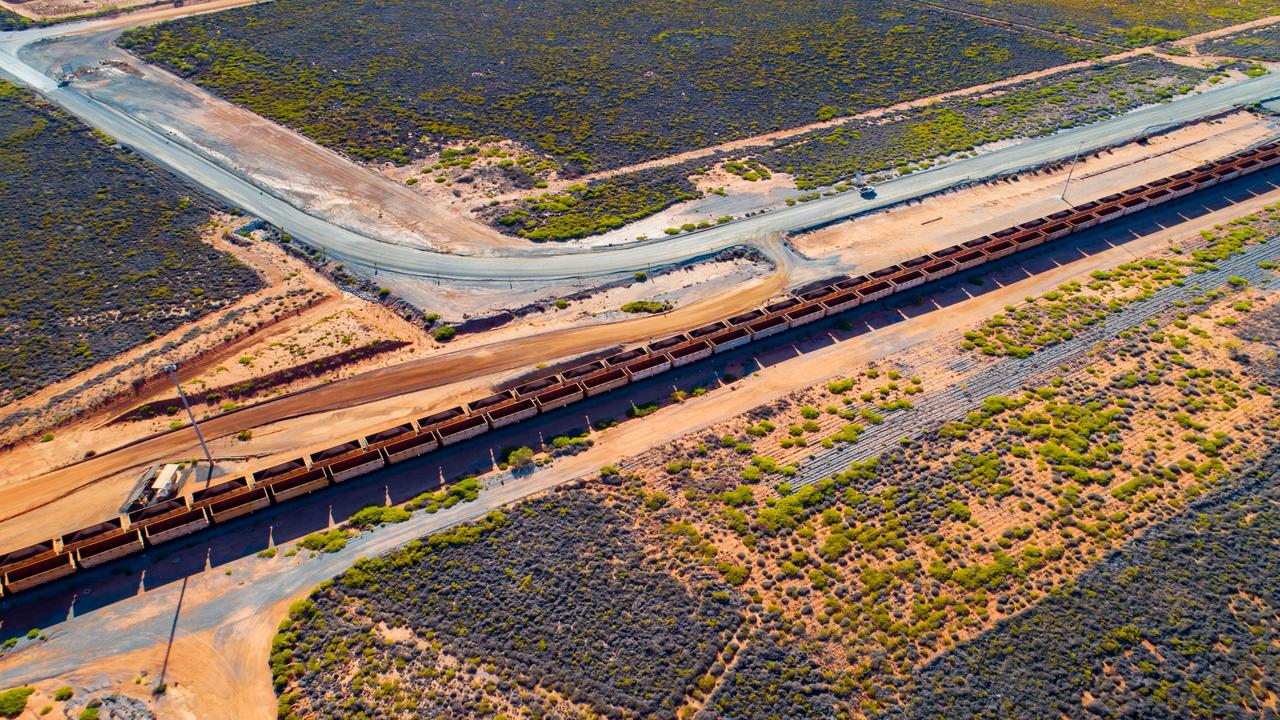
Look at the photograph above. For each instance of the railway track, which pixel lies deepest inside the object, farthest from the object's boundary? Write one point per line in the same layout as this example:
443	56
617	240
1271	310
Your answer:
1010	375
126	534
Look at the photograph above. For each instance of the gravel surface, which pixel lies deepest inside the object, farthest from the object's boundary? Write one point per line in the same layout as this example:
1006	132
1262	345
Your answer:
1010	374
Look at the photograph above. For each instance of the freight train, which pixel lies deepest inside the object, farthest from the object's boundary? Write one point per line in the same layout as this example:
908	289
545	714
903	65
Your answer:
127	534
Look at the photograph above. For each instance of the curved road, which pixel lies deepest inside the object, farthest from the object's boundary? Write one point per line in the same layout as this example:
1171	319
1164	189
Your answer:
559	263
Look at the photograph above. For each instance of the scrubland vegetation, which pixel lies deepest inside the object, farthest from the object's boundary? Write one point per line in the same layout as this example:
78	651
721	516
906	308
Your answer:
885	566
554	608
957	126
1122	22
14	700
769	681
1258	44
593	85
102	251
646	306
595	207
1058	315
1182	623
13	21
873	593
912	140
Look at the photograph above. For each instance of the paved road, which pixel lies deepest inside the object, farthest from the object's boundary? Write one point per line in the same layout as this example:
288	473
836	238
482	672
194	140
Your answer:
105	614
558	263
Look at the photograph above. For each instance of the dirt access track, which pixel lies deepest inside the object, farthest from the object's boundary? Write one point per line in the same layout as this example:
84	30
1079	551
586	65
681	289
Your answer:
278	160
221	621
399	253
882	239
316	417
92	488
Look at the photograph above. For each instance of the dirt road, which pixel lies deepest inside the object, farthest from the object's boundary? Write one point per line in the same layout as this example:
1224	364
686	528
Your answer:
218	661
465	371
881	239
759	142
457	372
280	161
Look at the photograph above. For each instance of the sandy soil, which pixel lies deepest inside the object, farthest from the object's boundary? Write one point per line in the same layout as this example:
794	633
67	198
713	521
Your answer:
291	288
1190	42
881	239
367	401
680	287
207	673
467	186
224	667
321	181
139	11
459	301
222	673
48	9
344	321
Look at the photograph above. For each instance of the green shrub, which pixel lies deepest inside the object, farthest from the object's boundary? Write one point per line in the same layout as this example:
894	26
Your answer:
646	306
464	490
734	574
520	459
376	515
656	501
14	701
330	541
739	496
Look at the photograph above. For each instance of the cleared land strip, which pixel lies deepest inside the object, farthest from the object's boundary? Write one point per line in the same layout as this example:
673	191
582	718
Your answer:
1010	374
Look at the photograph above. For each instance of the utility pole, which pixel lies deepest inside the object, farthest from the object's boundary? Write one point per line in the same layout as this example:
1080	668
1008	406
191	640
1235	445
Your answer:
172	369
1074	159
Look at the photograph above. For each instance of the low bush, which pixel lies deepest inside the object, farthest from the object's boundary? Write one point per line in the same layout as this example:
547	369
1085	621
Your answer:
557	594
14	701
102	251
646	306
330	541
376	515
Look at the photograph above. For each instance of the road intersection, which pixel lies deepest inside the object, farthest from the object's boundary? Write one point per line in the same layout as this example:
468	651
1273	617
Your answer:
557	262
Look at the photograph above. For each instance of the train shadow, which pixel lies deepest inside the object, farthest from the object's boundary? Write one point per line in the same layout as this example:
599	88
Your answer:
177	560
